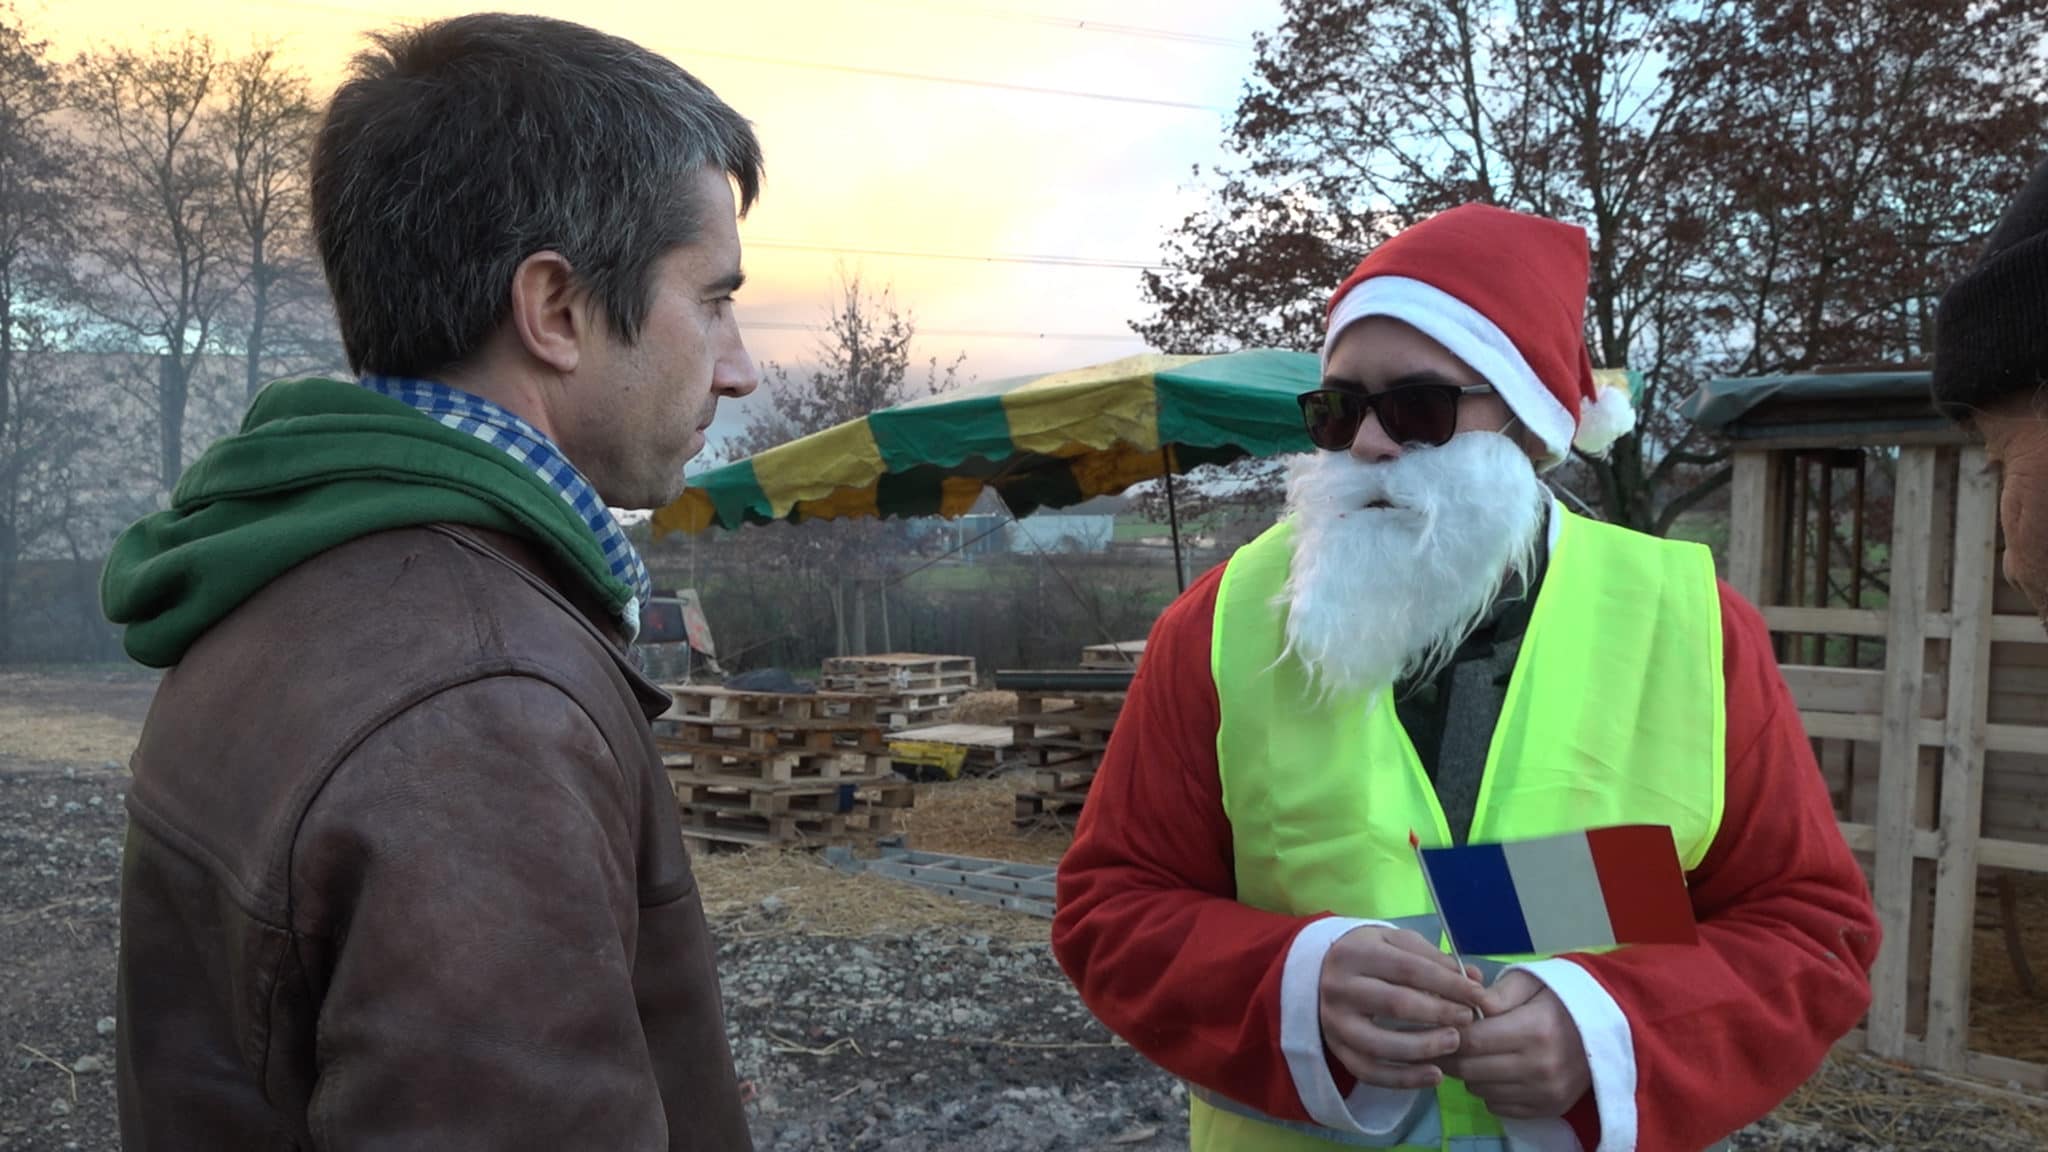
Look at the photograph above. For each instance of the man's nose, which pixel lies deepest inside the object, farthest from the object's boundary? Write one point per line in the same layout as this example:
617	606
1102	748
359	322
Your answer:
735	374
1372	444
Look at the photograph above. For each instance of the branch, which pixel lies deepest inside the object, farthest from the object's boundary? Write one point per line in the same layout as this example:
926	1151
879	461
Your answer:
1684	501
1693	459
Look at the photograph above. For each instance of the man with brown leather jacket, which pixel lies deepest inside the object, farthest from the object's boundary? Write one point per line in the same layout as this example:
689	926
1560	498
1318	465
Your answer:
403	868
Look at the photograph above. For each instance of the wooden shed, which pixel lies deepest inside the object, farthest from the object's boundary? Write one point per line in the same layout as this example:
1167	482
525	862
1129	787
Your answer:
1865	527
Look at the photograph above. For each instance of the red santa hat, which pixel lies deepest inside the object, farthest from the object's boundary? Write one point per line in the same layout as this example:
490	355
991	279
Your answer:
1504	292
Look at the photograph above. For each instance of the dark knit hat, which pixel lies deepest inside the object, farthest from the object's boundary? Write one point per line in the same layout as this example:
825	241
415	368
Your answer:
1991	332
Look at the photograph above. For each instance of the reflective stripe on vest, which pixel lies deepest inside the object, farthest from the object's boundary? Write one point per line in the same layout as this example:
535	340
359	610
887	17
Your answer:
1613	715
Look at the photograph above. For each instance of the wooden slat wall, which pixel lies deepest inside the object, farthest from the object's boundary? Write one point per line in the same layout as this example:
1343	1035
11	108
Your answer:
1898	777
1975	539
1938	761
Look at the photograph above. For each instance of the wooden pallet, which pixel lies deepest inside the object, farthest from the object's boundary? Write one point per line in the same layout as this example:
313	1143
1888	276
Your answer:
737	796
1061	754
771	737
895	713
1062	808
1064	733
708	798
727	707
684	736
902	672
693	792
929	700
907	698
1066	778
928	696
788	828
775	767
1075	713
882	788
1069	726
906	689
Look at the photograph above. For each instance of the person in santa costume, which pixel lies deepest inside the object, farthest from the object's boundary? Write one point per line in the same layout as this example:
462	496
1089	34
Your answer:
1428	641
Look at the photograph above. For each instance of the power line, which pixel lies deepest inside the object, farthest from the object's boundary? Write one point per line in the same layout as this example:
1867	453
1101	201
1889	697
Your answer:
1076	23
1054	261
978	333
820	66
931	78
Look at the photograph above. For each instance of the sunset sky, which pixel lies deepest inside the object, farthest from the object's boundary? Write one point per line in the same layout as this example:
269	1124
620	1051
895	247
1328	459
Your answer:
865	168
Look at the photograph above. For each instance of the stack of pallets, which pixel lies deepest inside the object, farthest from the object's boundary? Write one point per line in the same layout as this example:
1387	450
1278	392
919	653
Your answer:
776	768
1061	737
909	688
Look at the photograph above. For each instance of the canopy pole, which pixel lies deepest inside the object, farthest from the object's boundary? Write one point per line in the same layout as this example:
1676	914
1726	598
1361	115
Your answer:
1180	572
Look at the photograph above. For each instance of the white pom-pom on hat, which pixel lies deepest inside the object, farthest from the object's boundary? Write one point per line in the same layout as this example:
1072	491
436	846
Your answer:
1607	416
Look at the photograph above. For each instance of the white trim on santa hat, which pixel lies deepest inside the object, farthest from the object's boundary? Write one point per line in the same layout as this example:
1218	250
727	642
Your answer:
1467	334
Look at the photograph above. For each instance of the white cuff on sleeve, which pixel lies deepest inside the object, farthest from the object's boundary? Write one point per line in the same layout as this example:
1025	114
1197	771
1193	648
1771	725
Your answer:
1369	1110
1610	1051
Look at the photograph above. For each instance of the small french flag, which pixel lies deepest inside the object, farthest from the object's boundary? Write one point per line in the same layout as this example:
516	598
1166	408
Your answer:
1590	889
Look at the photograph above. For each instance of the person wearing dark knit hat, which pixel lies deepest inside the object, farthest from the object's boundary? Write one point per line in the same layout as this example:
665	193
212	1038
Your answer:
1991	367
1429	643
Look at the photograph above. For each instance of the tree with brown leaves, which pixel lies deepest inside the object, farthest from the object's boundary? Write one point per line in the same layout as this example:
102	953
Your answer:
1754	175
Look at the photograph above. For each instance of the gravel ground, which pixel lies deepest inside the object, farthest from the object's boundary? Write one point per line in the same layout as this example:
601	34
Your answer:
939	1039
60	855
932	1042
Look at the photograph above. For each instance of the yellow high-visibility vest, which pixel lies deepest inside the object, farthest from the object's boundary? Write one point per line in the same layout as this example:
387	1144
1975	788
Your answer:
1614	714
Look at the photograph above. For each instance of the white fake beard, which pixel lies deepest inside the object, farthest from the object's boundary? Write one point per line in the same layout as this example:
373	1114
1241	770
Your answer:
1376	594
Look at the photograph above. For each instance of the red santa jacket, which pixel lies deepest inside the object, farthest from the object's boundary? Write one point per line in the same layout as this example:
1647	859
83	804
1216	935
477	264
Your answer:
1150	933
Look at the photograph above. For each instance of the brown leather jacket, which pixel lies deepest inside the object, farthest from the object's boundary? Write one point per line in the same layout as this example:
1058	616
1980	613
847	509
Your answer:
403	872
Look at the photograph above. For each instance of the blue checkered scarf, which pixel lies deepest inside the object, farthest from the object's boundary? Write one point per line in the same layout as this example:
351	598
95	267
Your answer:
523	442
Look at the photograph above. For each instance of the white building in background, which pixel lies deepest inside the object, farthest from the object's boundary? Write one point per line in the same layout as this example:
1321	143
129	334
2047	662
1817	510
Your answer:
1063	532
989	530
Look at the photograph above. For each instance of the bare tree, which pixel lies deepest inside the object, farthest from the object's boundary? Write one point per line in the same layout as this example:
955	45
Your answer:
264	131
862	365
160	246
43	428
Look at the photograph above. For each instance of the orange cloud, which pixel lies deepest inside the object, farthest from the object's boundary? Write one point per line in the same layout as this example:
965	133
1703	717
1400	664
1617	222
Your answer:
865	161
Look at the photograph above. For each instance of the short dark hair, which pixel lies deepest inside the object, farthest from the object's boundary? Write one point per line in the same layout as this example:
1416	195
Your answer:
456	150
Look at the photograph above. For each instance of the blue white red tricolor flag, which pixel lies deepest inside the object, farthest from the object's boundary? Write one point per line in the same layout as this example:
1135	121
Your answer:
1590	889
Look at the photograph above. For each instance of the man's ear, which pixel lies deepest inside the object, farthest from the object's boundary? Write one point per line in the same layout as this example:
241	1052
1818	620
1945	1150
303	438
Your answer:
548	312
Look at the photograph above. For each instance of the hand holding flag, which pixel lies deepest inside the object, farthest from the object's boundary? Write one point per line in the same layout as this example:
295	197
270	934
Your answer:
1592	889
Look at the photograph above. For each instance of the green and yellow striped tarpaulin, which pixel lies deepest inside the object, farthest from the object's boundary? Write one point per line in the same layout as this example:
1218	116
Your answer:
1040	442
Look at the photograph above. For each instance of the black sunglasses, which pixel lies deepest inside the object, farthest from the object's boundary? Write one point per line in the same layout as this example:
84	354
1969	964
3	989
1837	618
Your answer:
1424	414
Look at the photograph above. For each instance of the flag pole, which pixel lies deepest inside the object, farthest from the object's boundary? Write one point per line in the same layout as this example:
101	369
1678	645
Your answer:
1443	921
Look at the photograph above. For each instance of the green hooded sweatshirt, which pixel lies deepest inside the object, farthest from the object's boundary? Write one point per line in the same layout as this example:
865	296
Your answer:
316	464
